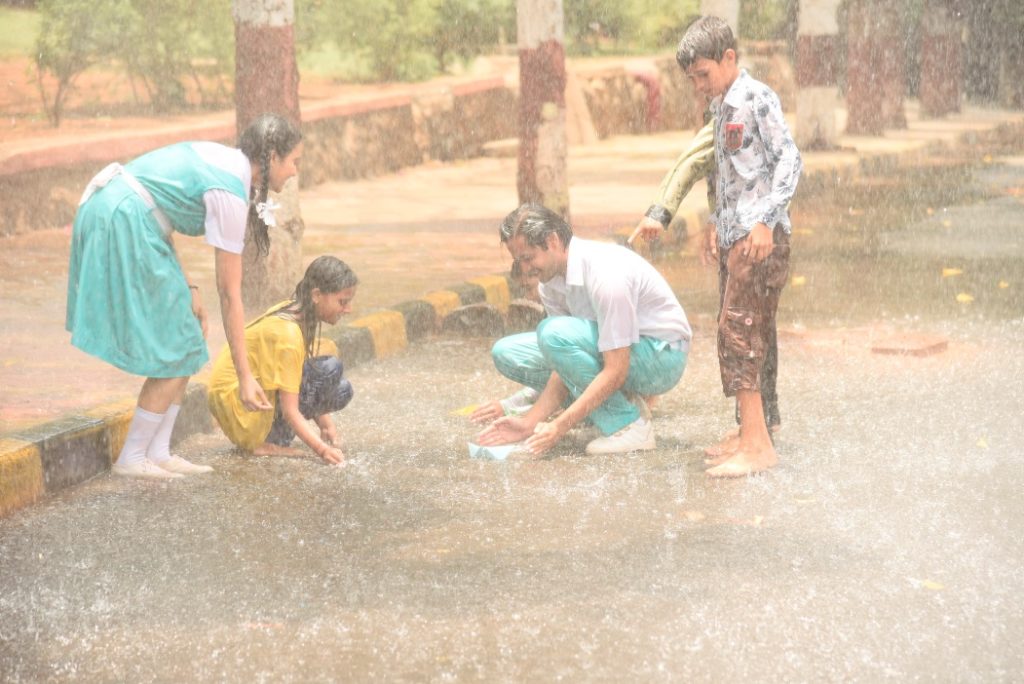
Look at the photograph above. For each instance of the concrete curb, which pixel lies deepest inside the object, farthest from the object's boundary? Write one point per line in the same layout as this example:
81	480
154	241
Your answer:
53	456
65	452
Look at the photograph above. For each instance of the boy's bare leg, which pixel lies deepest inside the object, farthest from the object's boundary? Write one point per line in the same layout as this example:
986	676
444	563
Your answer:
755	451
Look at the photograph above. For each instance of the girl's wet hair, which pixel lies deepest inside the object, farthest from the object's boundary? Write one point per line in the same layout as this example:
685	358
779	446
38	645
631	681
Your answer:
268	133
706	38
535	222
328	274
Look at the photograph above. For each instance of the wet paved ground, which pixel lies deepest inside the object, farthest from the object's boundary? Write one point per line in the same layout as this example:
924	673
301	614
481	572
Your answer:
885	546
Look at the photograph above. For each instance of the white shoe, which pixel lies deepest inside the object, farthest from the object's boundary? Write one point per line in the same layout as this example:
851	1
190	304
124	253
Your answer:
176	464
144	468
637	436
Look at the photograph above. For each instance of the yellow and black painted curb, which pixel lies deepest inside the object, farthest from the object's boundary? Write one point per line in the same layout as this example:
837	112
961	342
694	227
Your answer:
53	456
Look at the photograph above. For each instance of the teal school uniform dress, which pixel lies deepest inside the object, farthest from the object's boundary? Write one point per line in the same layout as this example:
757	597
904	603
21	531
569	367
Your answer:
128	301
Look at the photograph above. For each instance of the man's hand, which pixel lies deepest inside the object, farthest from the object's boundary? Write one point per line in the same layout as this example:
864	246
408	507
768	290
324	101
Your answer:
545	436
709	245
648	229
758	244
507	430
485	413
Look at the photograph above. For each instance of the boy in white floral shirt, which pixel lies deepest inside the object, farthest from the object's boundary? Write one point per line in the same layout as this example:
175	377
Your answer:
758	166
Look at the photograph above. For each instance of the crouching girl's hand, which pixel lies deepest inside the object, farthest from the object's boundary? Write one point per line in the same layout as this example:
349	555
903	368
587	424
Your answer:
331	454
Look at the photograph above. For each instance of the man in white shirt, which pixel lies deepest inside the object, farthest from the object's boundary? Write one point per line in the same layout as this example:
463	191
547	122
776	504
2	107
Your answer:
615	333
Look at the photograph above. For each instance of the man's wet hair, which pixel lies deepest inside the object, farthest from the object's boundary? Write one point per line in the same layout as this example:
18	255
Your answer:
535	222
706	38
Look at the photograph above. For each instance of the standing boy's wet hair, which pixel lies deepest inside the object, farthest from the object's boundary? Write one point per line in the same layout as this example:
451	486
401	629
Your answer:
706	38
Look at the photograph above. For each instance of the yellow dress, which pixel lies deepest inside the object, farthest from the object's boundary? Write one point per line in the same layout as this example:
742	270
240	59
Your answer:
276	354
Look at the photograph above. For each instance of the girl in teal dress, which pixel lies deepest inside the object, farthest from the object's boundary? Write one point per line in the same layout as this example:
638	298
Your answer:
130	302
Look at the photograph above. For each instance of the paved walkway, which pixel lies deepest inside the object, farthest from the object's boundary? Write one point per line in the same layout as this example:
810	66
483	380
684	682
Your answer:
405	234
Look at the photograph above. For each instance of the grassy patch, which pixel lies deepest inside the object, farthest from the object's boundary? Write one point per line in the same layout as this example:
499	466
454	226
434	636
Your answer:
18	38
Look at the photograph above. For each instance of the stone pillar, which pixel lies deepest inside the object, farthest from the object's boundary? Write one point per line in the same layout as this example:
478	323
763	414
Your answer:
875	67
941	60
267	80
817	97
542	175
724	9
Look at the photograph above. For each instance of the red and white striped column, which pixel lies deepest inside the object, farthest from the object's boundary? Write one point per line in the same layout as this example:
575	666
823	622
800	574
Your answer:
817	97
542	176
266	73
942	74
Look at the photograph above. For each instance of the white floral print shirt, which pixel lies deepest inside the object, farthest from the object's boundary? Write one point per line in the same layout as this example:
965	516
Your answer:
758	162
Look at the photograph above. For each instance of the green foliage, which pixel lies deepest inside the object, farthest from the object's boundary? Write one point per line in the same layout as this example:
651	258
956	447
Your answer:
663	22
73	35
768	19
21	27
467	28
390	36
166	42
592	24
162	43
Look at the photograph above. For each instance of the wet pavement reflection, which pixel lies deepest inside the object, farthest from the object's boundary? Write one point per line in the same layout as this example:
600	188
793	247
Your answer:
884	546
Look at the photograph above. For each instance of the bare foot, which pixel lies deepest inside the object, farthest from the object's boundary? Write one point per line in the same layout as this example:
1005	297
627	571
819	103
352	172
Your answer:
268	449
745	462
718	453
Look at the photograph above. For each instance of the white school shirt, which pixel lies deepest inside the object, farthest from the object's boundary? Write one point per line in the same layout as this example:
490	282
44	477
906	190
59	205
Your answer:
226	212
621	291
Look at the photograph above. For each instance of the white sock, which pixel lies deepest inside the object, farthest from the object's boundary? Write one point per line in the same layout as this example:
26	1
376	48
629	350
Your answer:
140	433
160	448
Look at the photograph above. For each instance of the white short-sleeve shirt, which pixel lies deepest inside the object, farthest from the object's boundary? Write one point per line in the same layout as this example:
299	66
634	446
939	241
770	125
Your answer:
621	291
226	212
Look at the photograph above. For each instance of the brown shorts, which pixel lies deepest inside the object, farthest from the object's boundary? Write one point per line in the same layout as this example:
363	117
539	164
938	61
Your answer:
747	320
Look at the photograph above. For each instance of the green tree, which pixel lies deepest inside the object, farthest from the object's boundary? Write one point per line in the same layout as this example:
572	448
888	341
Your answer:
73	35
392	36
468	28
165	43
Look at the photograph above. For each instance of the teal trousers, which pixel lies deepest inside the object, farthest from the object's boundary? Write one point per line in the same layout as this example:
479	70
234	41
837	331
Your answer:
568	346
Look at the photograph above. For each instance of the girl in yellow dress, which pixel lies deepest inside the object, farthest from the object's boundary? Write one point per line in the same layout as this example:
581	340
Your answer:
299	372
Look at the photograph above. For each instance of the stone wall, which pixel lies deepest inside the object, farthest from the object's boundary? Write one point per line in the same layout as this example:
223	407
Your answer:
380	135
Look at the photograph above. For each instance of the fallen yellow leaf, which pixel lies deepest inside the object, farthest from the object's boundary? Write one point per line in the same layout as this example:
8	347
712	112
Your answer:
987	159
465	410
929	211
964	298
946	223
926	584
799	280
950	272
982	442
1003	284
